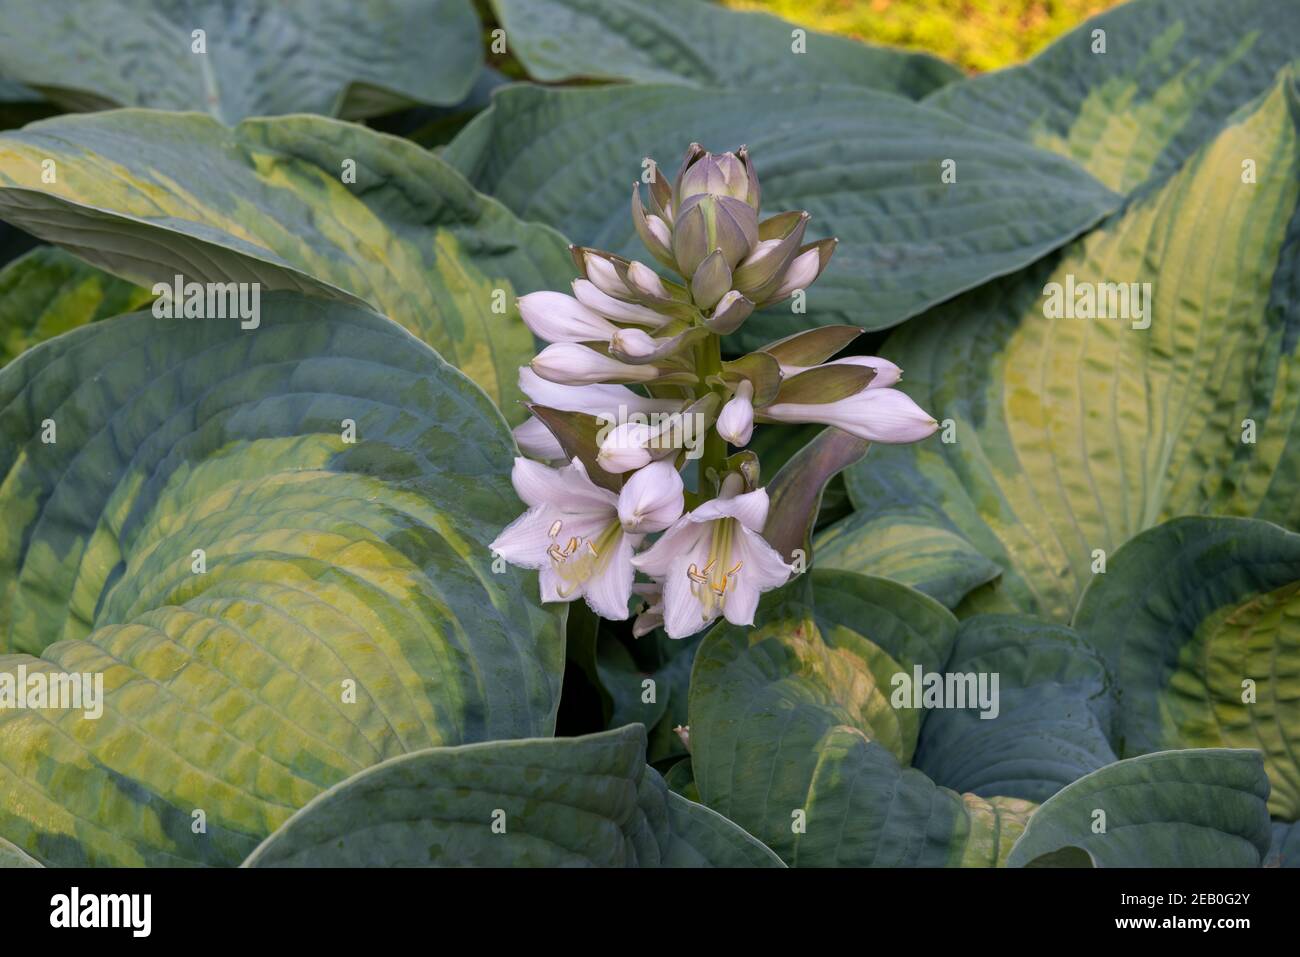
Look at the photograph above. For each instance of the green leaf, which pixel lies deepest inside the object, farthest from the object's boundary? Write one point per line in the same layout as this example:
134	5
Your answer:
1051	714
1171	809
47	291
149	195
1199	621
921	553
1172	73
345	609
1284	851
793	735
555	802
11	856
258	58
867	165
1071	435
684	41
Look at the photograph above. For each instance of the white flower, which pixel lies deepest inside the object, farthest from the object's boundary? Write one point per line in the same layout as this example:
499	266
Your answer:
736	420
616	309
625	447
646	281
555	317
602	401
604	276
537	441
800	274
652	498
878	415
714	562
887	374
570	363
572	533
633	342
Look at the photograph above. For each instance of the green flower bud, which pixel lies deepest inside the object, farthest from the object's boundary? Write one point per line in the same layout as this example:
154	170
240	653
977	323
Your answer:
706	223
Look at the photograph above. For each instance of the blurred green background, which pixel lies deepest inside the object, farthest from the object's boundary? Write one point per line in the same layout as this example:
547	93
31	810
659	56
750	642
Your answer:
977	35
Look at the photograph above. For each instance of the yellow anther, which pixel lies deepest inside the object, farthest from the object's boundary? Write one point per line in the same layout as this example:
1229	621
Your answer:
555	527
592	548
571	547
557	556
736	569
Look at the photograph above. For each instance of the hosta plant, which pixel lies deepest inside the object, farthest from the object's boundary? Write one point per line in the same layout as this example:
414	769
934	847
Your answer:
415	493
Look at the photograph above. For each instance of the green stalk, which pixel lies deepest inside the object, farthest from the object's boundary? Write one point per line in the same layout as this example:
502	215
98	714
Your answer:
708	363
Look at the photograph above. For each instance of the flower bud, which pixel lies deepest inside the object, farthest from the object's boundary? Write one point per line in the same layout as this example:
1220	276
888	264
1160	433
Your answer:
711	280
887	373
633	343
652	498
719	174
732	310
625	447
555	317
603	275
646	281
800	275
569	363
616	309
877	415
706	223
736	420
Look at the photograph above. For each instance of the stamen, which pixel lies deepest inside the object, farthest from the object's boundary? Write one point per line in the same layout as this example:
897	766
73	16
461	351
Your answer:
571	547
557	556
555	527
736	569
592	548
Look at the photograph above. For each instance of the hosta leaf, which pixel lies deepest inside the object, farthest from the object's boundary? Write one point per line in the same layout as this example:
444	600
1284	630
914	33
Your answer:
1053	704
794	737
556	802
1171	73
1284	851
894	544
867	165
685	41
48	291
1199	619
1171	809
11	856
1070	435
258	57
148	195
343	608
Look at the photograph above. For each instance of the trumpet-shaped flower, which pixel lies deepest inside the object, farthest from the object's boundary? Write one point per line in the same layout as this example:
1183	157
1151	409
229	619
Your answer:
573	534
714	561
570	363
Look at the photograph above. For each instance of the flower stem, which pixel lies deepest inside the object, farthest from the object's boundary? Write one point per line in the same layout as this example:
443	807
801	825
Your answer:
714	456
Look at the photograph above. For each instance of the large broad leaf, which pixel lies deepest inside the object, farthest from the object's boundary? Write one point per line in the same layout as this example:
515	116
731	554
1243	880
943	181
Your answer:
1171	809
1199	620
1070	435
1285	848
272	545
1053	702
149	195
11	856
560	802
911	543
686	41
1133	103
48	291
257	57
867	165
794	737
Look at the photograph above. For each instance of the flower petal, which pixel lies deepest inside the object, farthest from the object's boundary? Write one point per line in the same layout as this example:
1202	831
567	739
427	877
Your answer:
652	498
762	569
610	586
750	508
537	441
525	540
